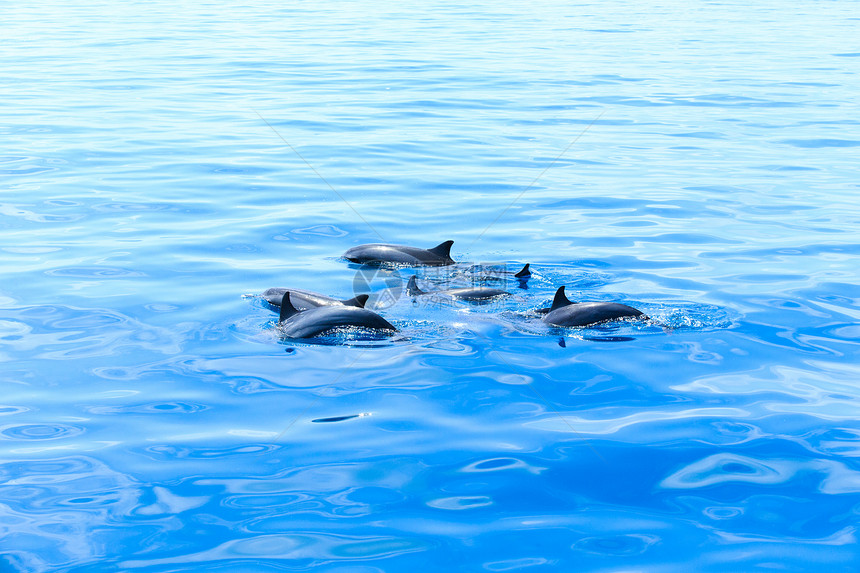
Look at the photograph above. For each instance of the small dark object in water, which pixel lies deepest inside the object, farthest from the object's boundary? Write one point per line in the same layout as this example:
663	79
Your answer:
335	419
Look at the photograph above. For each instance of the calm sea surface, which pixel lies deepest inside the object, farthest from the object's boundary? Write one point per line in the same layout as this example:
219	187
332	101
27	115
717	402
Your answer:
163	163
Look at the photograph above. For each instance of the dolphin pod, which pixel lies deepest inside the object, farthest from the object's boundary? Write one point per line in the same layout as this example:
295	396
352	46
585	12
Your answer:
305	314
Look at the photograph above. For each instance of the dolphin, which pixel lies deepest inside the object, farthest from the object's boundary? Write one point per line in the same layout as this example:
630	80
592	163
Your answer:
467	294
563	312
305	299
295	323
376	253
524	274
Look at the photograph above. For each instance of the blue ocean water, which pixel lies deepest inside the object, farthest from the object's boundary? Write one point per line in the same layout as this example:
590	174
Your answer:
166	162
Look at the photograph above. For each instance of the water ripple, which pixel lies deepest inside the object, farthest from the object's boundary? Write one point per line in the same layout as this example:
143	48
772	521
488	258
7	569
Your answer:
39	431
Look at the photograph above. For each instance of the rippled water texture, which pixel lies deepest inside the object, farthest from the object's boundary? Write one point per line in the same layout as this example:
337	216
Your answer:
166	162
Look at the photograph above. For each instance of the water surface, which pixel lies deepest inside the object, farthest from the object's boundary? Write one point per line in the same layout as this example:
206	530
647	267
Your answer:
164	163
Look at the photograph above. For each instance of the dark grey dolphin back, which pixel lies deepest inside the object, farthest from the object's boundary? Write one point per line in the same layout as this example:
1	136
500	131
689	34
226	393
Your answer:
588	313
287	308
359	300
560	300
322	319
476	294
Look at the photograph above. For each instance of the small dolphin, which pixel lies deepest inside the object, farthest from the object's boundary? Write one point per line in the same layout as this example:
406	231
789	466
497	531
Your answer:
468	293
563	312
377	253
305	299
295	323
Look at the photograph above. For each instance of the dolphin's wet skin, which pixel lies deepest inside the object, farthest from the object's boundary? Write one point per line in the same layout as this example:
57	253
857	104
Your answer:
377	253
295	323
563	312
305	299
472	294
306	314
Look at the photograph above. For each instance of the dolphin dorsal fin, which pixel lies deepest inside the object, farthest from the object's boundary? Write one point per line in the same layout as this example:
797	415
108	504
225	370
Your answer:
412	287
442	250
359	300
287	308
559	301
524	273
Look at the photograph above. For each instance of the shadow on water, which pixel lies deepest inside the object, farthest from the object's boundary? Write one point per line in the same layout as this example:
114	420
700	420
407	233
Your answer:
608	338
339	418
